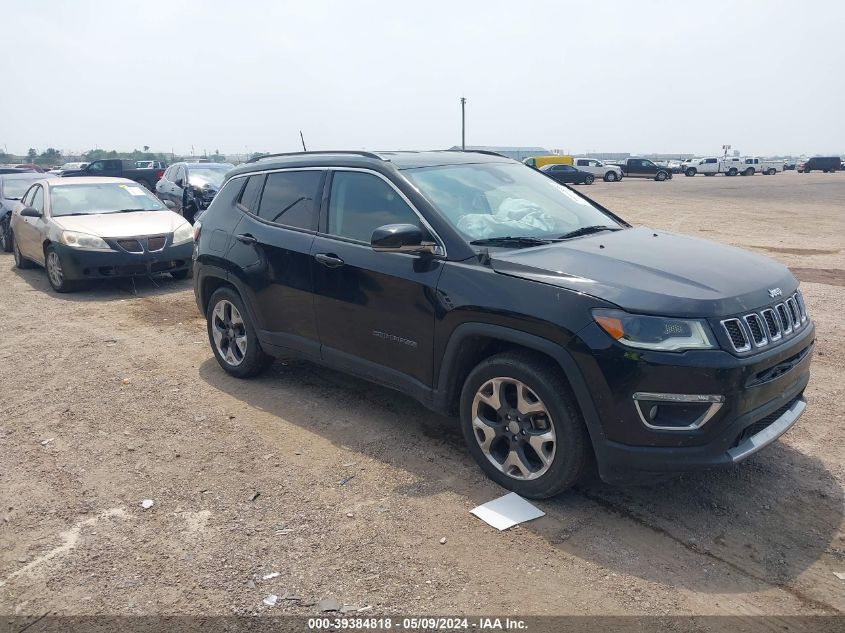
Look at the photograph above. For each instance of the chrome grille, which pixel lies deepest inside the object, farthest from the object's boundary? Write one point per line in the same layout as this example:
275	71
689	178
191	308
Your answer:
767	326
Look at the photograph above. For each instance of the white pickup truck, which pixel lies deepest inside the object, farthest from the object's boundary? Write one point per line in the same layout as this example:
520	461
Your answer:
728	165
610	173
760	166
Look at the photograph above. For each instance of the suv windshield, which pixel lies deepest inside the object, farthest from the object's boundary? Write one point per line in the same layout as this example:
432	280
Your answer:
101	198
503	200
200	176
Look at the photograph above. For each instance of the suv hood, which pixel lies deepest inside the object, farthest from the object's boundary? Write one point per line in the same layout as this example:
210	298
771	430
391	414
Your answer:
653	272
133	224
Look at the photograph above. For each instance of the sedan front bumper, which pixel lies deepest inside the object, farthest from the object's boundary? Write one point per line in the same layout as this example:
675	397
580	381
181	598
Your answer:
84	264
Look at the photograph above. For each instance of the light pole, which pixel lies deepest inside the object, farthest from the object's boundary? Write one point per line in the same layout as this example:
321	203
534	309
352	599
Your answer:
463	124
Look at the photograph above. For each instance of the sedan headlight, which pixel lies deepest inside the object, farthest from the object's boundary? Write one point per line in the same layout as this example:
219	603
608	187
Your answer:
83	241
664	334
185	233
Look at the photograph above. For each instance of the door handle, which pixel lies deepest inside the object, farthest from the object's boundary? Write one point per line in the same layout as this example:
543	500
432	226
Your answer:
246	238
329	261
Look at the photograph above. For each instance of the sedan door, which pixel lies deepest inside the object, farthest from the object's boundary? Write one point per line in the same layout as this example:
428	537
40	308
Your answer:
375	311
565	173
30	232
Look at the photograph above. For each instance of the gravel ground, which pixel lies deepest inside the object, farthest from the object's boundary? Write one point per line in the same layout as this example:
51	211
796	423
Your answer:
111	397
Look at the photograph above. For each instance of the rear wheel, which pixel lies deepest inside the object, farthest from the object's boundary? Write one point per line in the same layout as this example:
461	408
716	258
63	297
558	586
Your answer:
772	171
522	426
56	271
589	179
732	171
5	235
610	176
20	261
232	335
661	176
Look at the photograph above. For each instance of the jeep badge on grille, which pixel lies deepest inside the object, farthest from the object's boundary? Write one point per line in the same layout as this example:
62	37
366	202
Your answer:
774	292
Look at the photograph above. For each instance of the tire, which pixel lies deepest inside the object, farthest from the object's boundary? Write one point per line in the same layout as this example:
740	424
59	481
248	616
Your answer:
732	171
5	235
690	172
610	177
748	172
589	180
55	271
182	274
20	261
661	176
566	456
241	364
806	171
772	172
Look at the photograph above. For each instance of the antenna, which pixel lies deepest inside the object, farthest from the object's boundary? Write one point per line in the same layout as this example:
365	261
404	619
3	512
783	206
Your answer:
302	138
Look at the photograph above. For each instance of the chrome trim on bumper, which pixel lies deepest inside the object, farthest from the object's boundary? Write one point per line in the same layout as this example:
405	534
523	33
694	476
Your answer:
715	402
770	433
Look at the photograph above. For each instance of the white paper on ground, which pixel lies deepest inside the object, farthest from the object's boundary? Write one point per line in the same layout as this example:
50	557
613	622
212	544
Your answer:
507	511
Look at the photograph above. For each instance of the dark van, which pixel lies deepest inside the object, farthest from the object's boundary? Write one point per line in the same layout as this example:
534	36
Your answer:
820	163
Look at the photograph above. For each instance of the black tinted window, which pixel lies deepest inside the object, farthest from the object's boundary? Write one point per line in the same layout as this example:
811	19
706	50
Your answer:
360	203
289	198
249	196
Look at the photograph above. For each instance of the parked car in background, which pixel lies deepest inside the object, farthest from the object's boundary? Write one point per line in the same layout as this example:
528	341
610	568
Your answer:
643	168
568	174
31	167
68	167
12	187
820	163
728	165
608	173
95	228
673	165
789	165
188	188
761	166
150	164
553	159
559	335
119	168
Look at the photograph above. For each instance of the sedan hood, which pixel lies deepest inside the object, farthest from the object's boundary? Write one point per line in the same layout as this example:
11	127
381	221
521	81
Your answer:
653	272
134	224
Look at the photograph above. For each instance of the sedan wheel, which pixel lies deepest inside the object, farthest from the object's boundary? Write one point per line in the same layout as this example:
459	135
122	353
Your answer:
56	271
5	236
589	179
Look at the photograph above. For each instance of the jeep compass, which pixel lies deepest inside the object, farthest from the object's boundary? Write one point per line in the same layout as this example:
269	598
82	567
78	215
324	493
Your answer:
559	335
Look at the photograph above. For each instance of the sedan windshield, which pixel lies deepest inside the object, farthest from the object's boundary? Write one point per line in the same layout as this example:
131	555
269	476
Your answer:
200	176
485	201
109	197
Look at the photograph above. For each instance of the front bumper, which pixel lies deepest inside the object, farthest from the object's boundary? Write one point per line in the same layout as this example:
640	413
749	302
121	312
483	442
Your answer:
83	264
759	404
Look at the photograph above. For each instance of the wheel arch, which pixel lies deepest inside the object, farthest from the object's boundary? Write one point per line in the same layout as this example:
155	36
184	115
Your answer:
471	343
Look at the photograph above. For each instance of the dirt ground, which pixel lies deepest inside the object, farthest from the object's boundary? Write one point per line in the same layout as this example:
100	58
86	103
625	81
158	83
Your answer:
108	398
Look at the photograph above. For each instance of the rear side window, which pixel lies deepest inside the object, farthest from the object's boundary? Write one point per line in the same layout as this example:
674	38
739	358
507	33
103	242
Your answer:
360	203
249	196
290	197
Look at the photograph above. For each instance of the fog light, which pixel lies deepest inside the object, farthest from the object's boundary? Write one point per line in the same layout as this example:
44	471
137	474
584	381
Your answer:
676	411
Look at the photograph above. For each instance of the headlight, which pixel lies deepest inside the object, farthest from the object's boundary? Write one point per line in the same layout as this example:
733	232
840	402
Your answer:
185	233
658	333
83	240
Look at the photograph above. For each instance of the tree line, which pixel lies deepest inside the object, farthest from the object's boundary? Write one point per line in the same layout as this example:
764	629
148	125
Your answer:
52	156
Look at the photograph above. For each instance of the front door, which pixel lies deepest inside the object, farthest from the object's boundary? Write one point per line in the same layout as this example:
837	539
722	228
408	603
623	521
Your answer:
28	231
375	311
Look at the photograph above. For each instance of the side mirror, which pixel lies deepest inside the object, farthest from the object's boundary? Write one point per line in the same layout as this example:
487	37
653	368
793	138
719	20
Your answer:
170	204
29	212
400	238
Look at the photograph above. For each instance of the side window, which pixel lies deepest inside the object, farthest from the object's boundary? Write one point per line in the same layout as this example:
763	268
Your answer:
38	199
290	198
530	162
27	198
360	203
249	196
583	162
178	173
96	166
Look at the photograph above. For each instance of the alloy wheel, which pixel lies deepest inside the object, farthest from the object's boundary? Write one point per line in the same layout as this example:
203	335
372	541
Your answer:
513	428
229	332
54	269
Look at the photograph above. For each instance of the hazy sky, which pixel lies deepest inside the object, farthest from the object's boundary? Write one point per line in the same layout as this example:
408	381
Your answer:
637	75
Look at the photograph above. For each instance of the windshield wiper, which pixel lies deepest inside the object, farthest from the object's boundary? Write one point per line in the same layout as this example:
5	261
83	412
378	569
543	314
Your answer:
587	230
131	210
508	240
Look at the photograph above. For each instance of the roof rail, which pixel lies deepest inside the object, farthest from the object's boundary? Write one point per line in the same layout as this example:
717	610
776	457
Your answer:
329	152
479	151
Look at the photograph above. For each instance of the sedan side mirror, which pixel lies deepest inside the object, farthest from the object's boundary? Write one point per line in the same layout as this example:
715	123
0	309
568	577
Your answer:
400	238
29	212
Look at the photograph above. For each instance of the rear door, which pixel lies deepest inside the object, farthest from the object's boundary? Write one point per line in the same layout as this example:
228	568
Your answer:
375	311
271	255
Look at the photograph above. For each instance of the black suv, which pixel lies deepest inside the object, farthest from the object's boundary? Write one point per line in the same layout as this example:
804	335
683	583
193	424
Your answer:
558	333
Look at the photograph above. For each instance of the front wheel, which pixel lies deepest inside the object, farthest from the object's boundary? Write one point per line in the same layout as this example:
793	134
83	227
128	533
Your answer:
5	236
232	335
661	176
690	172
589	180
56	271
610	176
522	426
748	172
